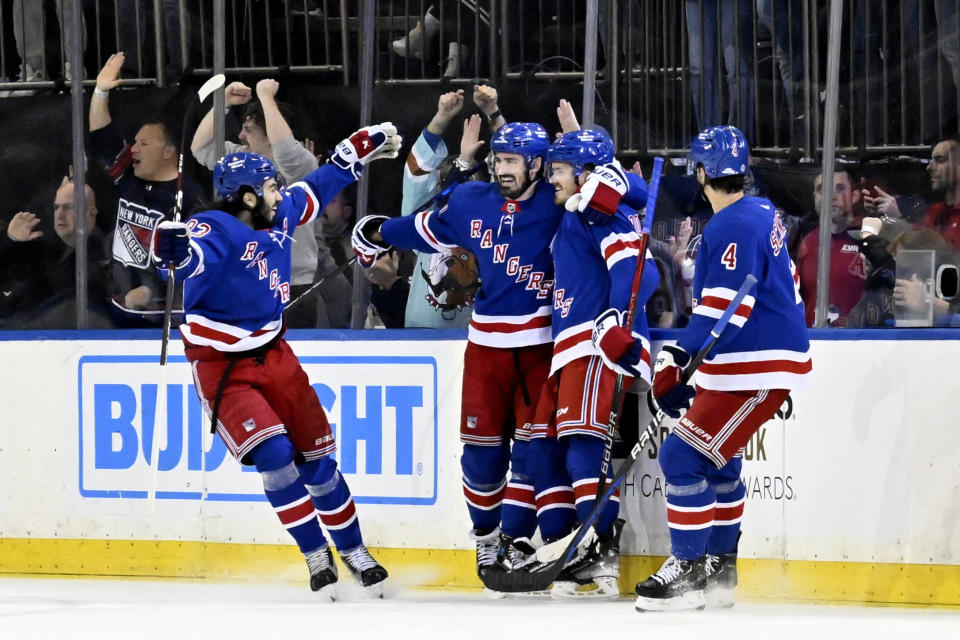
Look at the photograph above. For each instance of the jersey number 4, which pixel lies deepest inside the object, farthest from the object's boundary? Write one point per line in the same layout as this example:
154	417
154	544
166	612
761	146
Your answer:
729	258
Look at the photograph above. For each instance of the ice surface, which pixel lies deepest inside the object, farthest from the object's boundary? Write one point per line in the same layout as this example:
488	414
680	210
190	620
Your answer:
80	608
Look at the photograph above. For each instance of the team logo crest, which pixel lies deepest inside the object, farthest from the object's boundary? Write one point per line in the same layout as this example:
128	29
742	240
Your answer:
510	207
134	233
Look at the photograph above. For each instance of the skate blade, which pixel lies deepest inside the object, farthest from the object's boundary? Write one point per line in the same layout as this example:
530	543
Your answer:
692	600
502	595
374	591
602	588
327	593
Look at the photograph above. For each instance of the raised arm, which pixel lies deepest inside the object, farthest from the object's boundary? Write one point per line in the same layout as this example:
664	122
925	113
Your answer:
277	128
566	116
448	106
485	97
107	79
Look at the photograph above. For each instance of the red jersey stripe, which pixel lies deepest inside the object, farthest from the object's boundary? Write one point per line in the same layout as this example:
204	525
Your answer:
341	517
689	517
760	366
296	512
720	303
538	322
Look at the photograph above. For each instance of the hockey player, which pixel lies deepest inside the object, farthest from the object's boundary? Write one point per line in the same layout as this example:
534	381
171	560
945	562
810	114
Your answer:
740	385
594	267
235	261
508	225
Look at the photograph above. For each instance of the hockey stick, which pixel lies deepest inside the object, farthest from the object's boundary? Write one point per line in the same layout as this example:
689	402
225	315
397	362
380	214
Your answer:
160	414
319	282
618	387
552	558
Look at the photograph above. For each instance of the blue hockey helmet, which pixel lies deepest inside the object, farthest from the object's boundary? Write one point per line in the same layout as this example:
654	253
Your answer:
722	151
580	148
528	139
241	169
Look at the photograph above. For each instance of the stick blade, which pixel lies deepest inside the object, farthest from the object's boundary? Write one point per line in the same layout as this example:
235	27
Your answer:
210	86
523	580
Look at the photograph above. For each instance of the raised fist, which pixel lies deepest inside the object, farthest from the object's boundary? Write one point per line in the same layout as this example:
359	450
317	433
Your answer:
236	93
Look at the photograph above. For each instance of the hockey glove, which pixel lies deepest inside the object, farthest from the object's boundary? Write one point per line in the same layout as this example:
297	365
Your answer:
618	347
600	195
671	395
171	245
366	249
366	145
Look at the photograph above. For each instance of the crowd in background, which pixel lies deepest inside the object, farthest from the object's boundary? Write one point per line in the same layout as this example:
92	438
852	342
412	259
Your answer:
885	246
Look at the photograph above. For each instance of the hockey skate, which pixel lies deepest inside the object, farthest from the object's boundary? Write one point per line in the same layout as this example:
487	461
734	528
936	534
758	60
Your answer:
721	572
678	586
367	571
513	554
598	564
488	544
323	572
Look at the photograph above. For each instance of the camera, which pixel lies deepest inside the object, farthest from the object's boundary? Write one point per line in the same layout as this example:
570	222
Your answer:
948	282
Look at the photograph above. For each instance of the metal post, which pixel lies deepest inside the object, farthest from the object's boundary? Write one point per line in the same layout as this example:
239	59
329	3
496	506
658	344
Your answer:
613	69
158	40
219	59
344	43
79	164
829	153
590	63
184	48
361	288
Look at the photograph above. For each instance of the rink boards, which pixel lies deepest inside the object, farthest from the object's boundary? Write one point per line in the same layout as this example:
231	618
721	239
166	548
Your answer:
853	492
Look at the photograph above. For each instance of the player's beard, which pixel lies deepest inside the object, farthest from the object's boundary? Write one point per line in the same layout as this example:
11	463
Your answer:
261	217
516	192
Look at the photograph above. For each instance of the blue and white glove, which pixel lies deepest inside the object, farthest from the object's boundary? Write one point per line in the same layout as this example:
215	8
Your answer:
366	145
600	195
366	248
670	394
171	245
618	347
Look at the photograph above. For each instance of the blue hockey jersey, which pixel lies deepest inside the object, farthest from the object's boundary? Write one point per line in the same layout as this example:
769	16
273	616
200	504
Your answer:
594	266
767	346
237	282
511	240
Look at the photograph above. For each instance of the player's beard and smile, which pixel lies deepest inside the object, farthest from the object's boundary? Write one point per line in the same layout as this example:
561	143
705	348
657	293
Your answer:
509	186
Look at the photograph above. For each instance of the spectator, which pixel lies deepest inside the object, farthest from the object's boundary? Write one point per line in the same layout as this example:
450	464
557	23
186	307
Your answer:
732	22
29	27
145	176
132	19
37	269
848	272
266	131
944	168
428	167
333	238
942	216
390	277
